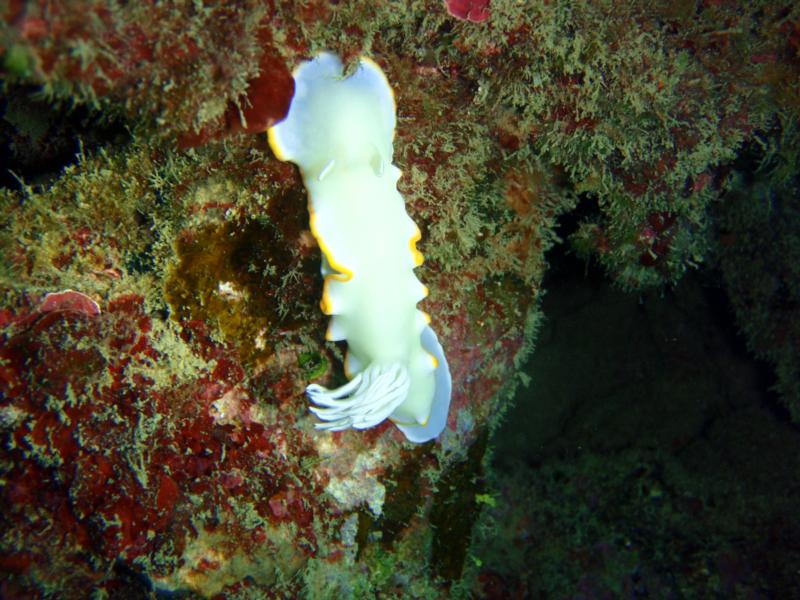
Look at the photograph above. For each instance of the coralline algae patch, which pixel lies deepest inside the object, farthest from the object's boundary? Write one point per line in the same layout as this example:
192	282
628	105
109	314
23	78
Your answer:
485	372
188	70
109	460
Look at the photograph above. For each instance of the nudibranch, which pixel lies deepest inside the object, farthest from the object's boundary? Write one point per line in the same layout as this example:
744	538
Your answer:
340	131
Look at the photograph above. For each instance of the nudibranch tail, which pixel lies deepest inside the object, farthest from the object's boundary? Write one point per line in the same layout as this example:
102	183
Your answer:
440	404
340	132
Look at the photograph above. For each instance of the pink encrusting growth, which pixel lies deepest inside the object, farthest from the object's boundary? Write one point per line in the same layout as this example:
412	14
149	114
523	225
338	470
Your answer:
69	300
111	458
476	11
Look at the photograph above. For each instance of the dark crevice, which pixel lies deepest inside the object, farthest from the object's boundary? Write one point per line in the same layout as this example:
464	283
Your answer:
39	139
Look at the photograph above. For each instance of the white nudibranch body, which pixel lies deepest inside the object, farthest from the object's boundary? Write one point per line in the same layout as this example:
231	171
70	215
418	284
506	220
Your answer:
339	131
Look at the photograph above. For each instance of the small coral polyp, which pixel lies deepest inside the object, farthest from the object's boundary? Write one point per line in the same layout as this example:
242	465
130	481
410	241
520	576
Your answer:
340	132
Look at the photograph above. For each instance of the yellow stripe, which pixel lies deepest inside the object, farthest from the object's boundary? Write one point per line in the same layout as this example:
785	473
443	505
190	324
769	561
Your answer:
347	372
372	63
325	301
344	274
410	424
272	136
412	244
